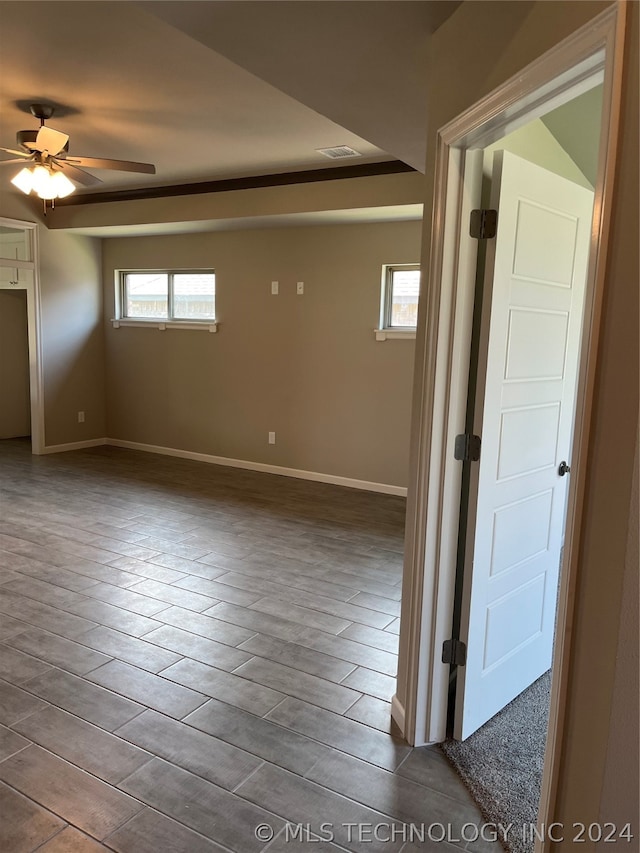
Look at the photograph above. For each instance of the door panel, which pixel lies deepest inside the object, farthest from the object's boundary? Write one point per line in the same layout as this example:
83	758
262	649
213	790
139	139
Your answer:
534	281
509	549
536	345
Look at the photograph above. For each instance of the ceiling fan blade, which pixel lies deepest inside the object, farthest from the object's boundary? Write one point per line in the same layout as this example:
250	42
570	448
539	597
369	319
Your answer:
76	174
118	165
17	153
50	140
6	162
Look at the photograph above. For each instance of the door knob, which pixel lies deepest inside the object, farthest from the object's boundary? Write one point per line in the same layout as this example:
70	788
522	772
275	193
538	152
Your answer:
563	469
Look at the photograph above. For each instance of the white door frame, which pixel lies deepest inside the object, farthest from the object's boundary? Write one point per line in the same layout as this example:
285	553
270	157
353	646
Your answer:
440	400
34	328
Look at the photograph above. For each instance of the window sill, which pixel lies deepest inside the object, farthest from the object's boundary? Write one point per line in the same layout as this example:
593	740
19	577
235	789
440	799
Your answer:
163	325
395	334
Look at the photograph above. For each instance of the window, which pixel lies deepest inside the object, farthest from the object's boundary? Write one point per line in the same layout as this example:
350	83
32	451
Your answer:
183	295
399	303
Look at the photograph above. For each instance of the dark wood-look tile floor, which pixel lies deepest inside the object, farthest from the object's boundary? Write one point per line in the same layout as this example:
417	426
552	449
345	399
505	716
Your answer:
197	658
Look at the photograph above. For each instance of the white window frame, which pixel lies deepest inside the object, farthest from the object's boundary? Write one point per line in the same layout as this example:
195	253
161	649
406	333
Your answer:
161	323
386	331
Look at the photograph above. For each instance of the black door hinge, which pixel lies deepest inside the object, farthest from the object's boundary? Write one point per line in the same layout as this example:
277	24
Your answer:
467	447
454	652
483	224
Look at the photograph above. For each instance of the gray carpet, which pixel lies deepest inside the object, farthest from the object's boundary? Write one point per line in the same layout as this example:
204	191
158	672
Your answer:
501	764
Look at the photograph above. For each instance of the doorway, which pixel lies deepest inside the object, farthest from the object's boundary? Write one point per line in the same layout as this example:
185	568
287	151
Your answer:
15	413
21	375
527	332
433	523
522	392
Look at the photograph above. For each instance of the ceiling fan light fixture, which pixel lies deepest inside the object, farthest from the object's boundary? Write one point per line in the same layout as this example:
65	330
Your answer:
23	180
43	184
63	185
46	183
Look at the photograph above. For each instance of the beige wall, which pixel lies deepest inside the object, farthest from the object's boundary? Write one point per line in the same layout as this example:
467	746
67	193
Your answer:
306	367
15	408
480	46
72	337
620	794
609	509
72	332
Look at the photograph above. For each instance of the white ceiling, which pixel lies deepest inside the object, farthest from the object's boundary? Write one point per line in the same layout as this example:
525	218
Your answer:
129	85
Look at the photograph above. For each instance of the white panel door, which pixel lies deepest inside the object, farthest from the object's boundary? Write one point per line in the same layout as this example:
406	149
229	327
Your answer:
534	294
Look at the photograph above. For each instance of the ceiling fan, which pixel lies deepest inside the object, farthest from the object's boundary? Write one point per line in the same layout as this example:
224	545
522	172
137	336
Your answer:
48	166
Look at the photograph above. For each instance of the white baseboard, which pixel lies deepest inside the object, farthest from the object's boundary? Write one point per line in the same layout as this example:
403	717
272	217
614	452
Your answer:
365	485
397	713
74	445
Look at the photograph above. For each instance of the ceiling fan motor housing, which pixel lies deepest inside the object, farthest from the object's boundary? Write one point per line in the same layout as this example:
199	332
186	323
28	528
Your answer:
42	111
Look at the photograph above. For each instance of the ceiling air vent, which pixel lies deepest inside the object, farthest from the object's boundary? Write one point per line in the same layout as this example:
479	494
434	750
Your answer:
339	152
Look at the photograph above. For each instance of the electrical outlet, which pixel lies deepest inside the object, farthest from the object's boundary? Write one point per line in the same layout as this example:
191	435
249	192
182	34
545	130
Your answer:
274	288
272	438
300	288
80	417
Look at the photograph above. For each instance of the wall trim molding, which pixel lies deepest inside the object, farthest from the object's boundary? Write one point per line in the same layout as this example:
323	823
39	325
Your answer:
363	485
74	445
397	713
